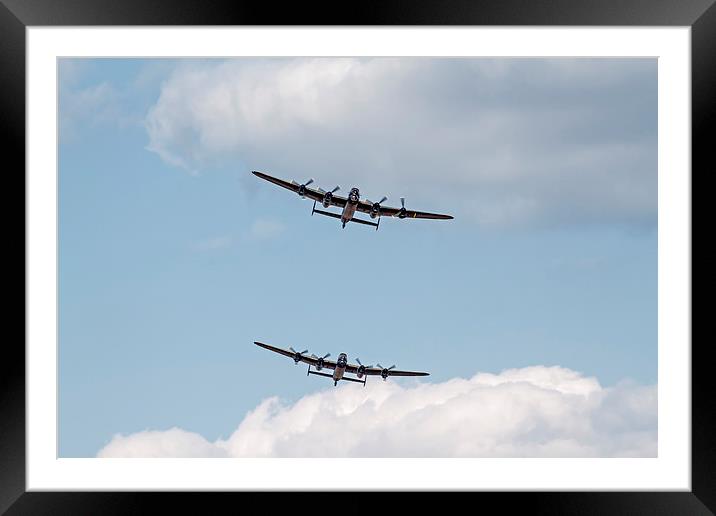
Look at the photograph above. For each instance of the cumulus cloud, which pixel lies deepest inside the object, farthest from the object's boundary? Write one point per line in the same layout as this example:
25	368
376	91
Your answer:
174	442
531	412
506	141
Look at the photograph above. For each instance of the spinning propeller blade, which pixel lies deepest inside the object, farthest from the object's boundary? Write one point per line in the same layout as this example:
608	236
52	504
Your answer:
323	192
402	213
386	368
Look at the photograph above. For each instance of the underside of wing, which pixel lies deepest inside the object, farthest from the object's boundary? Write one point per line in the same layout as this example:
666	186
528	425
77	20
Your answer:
280	351
389	211
412	214
295	187
407	373
337	200
376	371
275	180
327	364
313	194
364	206
291	354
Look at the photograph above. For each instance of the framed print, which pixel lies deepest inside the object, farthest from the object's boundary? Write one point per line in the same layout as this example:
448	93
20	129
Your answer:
524	260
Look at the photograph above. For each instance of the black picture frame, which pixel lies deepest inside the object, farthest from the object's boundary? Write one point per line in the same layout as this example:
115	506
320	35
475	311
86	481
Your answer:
16	15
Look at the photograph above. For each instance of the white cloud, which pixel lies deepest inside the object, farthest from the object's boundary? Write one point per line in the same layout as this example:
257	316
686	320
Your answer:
169	443
531	412
503	142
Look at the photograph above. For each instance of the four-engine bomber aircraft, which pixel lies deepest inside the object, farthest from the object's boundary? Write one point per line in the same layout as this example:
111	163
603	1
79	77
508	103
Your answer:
351	204
340	366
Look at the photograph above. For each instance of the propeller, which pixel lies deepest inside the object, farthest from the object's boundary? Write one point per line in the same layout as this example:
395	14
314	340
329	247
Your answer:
327	196
361	364
375	208
331	192
403	212
319	365
302	187
296	183
377	203
297	354
362	368
384	372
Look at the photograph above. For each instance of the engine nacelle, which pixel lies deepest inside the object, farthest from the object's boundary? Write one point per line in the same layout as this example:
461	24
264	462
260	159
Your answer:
319	365
297	355
327	199
375	208
302	188
360	372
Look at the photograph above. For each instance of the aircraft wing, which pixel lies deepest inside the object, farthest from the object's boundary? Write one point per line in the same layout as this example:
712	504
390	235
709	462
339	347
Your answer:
387	211
394	372
312	194
308	359
376	371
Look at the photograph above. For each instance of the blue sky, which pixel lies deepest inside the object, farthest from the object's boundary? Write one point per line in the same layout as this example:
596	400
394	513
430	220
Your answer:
173	258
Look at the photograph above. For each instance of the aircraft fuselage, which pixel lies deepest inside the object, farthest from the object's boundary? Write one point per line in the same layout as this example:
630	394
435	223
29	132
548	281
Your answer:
350	208
340	369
